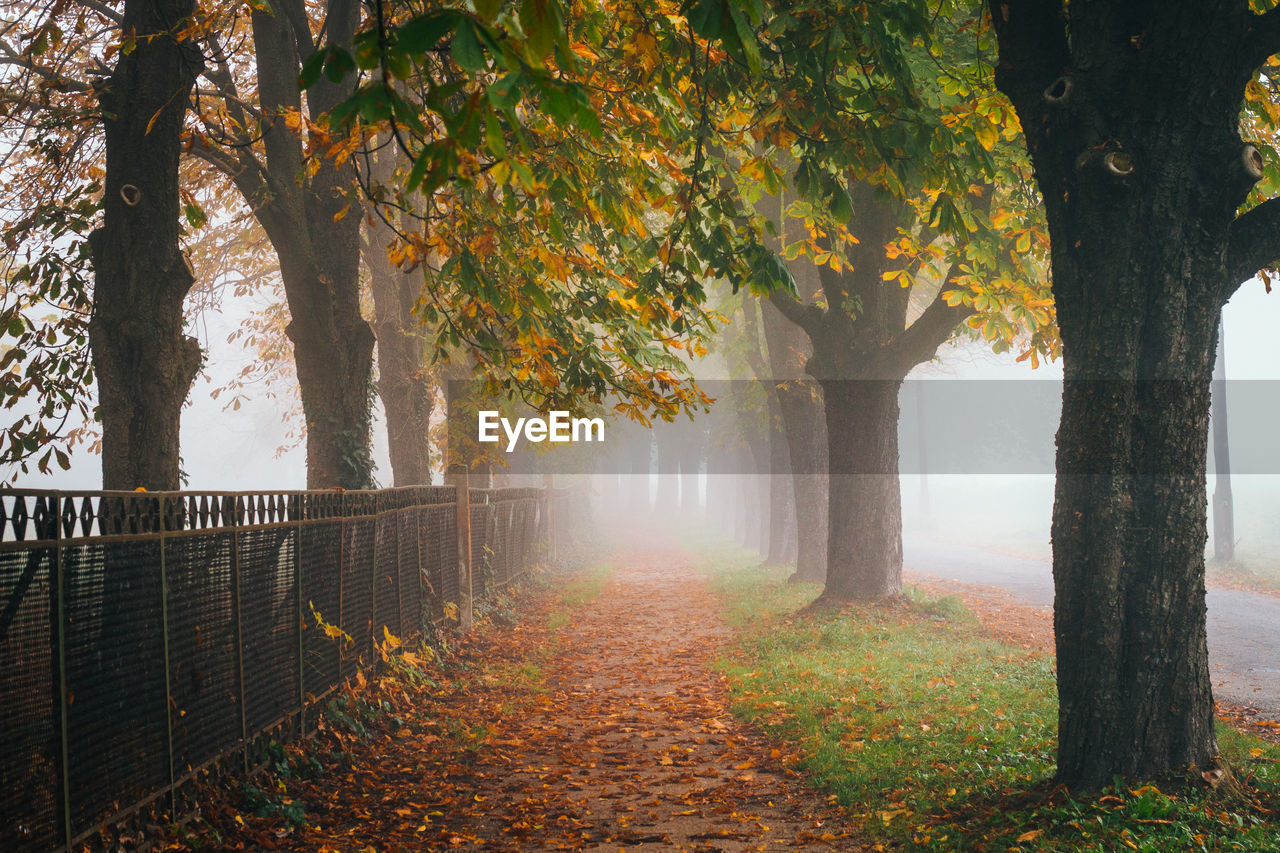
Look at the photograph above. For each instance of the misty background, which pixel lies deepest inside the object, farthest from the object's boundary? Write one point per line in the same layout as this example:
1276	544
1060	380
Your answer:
1005	506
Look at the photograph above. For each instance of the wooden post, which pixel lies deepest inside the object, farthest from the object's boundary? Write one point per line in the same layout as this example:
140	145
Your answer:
457	477
549	483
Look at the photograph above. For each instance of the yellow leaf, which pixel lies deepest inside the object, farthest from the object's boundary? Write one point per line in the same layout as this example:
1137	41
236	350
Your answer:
1029	835
988	134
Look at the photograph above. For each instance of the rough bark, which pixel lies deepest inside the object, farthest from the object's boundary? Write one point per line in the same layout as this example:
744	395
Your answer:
865	544
143	362
404	381
1132	126
803	420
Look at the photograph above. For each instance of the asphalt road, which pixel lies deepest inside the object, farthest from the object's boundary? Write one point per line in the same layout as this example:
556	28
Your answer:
1244	627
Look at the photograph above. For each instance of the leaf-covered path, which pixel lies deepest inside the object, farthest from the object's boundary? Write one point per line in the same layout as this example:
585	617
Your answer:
620	739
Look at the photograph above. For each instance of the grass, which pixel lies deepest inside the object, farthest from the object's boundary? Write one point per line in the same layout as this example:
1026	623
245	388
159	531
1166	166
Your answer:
1248	571
939	738
578	590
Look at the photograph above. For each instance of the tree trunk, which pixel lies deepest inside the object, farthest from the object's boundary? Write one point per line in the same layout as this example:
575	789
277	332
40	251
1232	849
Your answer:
333	349
691	450
404	381
403	376
1128	545
864	550
806	435
803	422
317	237
782	506
1142	172
308	218
1224	523
143	362
1129	519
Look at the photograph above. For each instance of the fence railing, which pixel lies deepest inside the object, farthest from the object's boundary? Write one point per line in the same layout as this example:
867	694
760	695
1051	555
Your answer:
147	636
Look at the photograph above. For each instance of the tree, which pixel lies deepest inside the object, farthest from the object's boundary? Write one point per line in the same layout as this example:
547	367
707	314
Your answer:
764	435
300	182
1132	117
908	196
572	133
803	422
404	352
143	361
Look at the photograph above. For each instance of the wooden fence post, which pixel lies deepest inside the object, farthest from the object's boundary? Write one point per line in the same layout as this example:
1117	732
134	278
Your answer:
457	477
549	483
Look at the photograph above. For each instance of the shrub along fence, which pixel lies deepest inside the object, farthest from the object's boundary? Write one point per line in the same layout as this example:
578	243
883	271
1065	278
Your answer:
145	637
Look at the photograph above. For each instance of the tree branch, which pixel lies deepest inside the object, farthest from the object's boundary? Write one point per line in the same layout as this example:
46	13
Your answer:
9	56
930	330
102	9
1254	243
803	315
248	176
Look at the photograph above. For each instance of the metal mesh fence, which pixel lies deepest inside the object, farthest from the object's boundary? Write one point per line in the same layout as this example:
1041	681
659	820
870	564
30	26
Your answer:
29	745
145	636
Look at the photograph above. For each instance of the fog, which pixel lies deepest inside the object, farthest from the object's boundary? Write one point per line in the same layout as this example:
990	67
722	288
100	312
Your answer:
1005	506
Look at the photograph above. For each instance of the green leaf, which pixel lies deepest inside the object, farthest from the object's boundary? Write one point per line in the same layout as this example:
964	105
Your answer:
418	172
746	38
195	215
557	103
841	203
337	63
311	70
368	51
504	93
419	35
707	18
493	135
373	104
807	176
542	23
466	49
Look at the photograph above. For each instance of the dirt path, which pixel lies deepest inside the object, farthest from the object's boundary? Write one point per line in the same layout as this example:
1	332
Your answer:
636	746
628	746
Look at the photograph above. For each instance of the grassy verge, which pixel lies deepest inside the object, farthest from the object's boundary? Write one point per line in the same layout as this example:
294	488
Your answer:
1248	571
940	738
